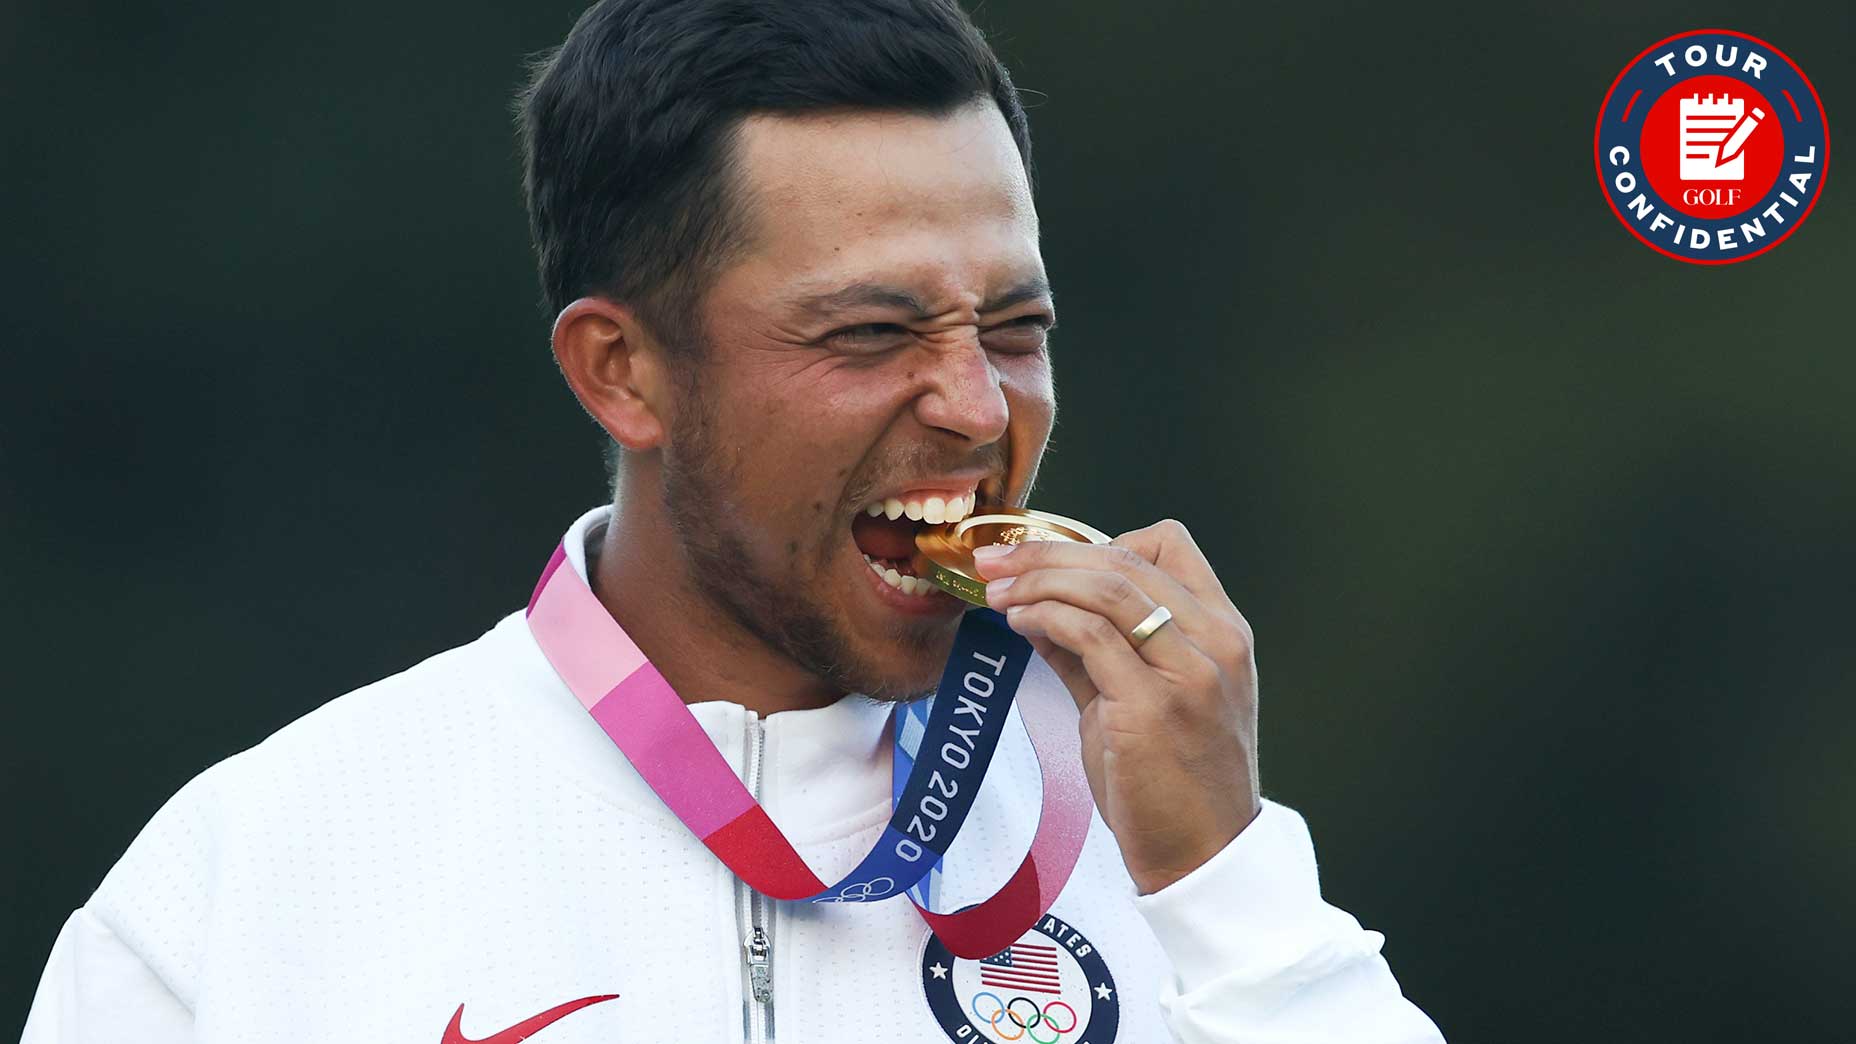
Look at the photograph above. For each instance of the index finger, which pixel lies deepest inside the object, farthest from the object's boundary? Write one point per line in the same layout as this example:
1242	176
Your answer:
1197	619
1170	547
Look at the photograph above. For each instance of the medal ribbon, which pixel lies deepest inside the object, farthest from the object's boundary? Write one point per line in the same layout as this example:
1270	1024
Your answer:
636	707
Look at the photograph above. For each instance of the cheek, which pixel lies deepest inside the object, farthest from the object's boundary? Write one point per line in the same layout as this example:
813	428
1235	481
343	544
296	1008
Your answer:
797	452
1031	391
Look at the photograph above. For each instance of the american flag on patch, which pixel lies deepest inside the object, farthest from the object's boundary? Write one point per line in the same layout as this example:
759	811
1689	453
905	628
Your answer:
1025	967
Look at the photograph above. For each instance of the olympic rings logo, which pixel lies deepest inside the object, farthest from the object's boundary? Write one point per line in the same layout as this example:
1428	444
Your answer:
1026	1023
861	891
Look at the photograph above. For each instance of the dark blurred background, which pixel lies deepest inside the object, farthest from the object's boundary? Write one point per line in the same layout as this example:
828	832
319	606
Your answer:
1546	538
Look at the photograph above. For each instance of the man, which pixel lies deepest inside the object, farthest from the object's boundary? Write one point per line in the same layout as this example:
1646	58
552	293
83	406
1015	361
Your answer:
794	261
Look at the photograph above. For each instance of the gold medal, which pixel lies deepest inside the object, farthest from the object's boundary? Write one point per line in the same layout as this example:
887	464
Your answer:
944	554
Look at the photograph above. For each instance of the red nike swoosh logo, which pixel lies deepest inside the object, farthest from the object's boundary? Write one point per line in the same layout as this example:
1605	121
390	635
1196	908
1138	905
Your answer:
522	1030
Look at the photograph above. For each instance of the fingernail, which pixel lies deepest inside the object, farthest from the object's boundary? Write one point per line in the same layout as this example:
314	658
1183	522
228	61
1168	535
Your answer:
997	587
992	552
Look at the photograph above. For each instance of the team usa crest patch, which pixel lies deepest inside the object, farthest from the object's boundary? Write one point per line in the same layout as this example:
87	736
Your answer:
1050	987
1712	147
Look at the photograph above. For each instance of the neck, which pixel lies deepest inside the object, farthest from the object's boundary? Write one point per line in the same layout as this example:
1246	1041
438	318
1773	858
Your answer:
642	580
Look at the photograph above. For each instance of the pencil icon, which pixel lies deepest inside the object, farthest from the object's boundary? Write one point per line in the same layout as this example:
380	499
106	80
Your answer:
1741	132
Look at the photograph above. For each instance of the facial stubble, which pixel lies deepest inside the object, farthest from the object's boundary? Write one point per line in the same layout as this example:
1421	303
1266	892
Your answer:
785	611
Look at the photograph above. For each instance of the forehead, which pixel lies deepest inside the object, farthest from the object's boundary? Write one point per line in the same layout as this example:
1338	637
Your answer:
939	203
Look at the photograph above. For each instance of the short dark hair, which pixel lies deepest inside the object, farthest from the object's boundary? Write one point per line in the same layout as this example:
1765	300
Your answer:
626	127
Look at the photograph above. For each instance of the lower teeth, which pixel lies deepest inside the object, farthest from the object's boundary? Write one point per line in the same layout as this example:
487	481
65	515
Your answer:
909	585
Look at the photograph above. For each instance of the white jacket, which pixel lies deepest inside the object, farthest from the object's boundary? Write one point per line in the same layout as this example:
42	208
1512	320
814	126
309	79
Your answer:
463	835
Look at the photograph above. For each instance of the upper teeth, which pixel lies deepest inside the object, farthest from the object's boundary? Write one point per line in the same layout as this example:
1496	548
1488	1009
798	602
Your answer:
933	509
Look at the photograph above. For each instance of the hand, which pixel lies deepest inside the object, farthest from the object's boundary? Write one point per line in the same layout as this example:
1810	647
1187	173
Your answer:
1169	728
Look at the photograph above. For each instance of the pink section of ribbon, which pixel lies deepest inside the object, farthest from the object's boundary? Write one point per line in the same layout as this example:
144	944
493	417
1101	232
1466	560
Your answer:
632	702
642	716
587	648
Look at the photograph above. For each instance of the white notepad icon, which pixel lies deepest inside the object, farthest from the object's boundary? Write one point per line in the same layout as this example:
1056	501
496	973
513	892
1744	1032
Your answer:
1713	137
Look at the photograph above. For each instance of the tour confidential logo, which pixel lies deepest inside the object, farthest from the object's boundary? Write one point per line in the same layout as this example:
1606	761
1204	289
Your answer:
1711	147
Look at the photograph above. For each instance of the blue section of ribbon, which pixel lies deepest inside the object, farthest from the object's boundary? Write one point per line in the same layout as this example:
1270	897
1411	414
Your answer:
911	724
955	735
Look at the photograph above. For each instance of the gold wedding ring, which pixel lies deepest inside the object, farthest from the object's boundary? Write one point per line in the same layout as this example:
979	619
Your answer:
944	553
1153	622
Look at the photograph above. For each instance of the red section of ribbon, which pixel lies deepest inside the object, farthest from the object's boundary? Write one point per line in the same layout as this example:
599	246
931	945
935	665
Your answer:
983	930
755	849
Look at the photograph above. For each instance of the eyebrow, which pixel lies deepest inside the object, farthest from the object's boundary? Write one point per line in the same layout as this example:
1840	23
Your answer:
860	295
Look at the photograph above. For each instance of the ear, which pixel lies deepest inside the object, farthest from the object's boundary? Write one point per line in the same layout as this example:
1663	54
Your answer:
614	369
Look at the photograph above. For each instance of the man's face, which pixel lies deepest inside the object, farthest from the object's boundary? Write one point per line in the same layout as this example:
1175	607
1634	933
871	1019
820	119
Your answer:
883	336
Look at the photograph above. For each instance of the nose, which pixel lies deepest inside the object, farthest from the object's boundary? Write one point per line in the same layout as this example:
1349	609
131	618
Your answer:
965	395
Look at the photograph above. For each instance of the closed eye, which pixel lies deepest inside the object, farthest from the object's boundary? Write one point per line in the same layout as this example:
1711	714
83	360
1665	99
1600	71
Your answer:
867	337
1027	333
867	331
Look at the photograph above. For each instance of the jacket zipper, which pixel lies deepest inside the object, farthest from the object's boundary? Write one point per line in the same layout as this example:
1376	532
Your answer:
755	918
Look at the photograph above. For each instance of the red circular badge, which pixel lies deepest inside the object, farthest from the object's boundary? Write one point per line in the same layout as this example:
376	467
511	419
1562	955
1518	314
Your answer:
1711	146
1686	133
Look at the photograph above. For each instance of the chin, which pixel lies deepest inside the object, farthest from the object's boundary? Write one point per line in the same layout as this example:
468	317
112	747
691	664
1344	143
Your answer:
907	672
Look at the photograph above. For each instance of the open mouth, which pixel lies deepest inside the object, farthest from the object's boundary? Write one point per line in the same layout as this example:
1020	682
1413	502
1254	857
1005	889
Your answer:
884	530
